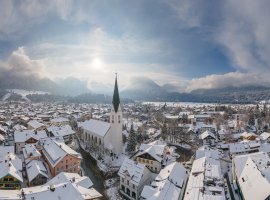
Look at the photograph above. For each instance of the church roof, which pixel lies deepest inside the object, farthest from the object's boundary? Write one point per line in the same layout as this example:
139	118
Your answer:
95	126
116	98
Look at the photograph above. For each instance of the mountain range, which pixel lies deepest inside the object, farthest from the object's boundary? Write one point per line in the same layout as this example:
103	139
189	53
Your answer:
139	88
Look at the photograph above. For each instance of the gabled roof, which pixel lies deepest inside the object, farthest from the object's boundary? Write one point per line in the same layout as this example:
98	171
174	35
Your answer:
206	134
83	181
265	136
168	184
133	170
63	191
11	165
55	151
35	124
252	172
22	136
61	130
30	150
34	168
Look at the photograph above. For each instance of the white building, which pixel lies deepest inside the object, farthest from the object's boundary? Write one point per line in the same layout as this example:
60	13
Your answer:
133	177
27	137
64	131
37	173
169	184
242	148
265	137
107	136
155	155
251	173
208	138
205	180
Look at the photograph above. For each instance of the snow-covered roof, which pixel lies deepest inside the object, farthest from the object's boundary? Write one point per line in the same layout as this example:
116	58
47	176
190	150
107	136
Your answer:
10	195
241	147
155	149
60	120
22	136
203	170
5	150
206	151
168	184
95	126
34	168
30	150
35	124
63	191
83	181
133	170
55	151
253	175
206	134
12	165
61	130
265	136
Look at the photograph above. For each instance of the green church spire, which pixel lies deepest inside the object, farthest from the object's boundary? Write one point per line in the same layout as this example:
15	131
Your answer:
116	99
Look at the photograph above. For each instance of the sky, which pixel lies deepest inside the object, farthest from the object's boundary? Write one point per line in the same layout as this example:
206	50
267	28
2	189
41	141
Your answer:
191	44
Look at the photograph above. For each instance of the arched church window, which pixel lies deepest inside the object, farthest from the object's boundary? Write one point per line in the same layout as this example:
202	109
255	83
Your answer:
118	118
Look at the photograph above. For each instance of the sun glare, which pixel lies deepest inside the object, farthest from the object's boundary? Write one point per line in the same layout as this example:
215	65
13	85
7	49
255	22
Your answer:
97	64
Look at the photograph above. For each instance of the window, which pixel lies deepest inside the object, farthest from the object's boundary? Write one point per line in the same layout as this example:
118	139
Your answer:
133	186
127	182
133	195
128	192
123	188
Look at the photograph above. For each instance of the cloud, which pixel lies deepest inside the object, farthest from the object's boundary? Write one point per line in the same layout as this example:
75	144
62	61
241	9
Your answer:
19	64
235	79
244	32
16	17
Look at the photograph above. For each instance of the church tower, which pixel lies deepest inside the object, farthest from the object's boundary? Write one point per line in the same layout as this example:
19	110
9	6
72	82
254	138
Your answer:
116	121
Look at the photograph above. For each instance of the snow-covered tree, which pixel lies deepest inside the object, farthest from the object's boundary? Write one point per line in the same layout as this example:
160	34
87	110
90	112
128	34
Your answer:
131	145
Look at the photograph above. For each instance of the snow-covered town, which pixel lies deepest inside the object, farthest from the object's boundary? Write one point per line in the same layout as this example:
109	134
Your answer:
134	100
167	151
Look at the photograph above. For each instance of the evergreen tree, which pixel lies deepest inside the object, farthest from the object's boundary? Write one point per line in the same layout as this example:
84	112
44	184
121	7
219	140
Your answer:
264	111
164	131
131	145
140	138
251	120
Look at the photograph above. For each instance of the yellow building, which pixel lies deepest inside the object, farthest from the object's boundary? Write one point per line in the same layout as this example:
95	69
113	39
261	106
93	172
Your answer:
9	182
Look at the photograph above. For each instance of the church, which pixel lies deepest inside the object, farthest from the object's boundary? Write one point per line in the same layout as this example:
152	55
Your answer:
105	135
